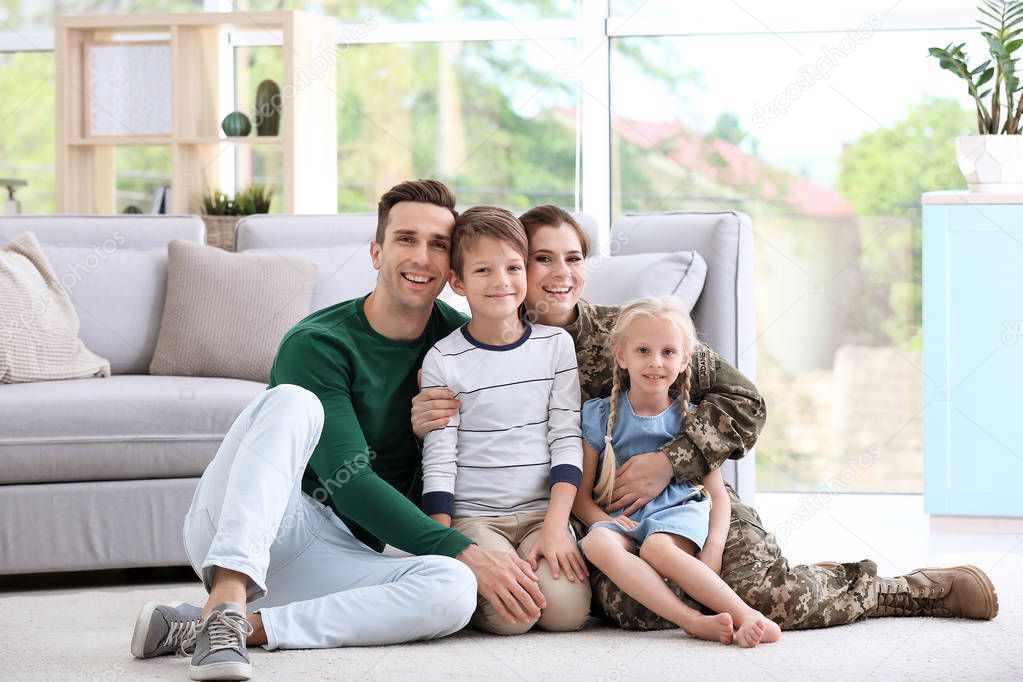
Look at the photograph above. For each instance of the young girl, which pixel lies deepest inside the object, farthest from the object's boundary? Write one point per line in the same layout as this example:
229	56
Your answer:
679	534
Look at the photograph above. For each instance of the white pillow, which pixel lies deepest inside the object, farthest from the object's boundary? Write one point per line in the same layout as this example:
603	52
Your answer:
118	322
620	279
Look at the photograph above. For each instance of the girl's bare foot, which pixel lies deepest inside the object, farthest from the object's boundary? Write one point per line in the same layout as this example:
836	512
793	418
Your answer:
772	633
750	631
711	628
757	629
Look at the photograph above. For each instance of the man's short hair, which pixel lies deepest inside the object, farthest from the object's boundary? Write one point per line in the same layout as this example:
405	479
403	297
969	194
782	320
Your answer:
486	221
423	191
553	216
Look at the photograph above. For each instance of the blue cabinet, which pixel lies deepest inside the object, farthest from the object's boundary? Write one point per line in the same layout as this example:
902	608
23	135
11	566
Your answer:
973	354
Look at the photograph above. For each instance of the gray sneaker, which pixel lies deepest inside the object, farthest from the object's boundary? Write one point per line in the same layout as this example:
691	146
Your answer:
220	645
163	629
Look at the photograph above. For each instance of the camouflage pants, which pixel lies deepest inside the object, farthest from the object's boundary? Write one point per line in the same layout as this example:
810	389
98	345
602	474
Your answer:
795	597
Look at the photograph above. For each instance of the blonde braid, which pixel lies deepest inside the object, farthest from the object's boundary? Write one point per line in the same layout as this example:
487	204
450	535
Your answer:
608	465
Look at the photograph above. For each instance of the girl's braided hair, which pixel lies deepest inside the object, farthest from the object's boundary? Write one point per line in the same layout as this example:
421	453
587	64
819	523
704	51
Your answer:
666	308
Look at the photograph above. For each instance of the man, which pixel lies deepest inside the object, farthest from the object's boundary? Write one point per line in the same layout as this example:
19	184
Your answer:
321	471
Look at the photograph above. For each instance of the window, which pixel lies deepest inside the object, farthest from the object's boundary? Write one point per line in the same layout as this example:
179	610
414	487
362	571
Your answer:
491	118
27	17
27	127
827	147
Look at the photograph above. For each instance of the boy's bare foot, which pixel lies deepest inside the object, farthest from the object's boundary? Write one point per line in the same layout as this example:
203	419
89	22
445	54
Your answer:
711	628
756	629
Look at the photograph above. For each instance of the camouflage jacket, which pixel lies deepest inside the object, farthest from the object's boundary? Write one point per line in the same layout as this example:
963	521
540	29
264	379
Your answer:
729	413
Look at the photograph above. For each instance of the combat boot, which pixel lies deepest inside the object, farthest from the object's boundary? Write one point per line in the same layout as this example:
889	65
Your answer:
957	592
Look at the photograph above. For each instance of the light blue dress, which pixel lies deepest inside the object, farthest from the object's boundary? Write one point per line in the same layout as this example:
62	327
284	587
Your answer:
681	508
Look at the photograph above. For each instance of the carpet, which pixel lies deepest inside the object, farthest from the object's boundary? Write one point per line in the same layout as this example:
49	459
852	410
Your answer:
81	631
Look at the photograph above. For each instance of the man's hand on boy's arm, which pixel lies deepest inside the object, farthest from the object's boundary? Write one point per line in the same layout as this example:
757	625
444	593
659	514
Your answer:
442	519
507	582
432	408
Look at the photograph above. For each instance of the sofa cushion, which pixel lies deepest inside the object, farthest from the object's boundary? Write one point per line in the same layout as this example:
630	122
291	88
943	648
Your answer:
338	244
226	313
620	279
345	272
121	427
38	325
724	315
94	256
97	525
275	231
342	272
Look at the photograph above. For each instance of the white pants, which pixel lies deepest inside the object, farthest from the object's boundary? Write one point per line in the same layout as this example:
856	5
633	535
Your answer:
313	582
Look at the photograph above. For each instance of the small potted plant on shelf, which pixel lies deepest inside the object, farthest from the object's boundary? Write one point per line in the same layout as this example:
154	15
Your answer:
222	213
992	161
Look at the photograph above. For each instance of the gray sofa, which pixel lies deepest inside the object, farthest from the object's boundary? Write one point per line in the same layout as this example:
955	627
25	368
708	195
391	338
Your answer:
98	473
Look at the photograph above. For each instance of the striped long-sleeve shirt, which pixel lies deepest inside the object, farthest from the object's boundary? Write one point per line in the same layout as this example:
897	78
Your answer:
517	431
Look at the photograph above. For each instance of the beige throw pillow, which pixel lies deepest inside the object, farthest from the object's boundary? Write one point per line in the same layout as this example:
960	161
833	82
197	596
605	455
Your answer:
225	313
38	325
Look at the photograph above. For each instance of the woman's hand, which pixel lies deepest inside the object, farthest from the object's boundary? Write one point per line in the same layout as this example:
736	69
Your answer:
625	522
432	408
561	551
639	480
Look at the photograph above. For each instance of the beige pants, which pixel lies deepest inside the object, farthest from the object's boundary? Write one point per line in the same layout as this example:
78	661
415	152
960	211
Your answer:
568	603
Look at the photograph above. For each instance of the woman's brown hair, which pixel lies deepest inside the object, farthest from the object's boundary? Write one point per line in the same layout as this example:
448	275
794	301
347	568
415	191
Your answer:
549	215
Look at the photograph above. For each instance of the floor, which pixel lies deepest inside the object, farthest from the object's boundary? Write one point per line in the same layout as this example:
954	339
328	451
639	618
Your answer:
78	629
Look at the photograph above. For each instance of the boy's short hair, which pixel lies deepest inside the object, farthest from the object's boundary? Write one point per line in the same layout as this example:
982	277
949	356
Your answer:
423	191
486	221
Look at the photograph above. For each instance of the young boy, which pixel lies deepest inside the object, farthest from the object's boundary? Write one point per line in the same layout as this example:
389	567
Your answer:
505	469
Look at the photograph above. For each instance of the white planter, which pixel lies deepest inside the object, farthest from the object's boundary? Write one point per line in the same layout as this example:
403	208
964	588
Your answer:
991	164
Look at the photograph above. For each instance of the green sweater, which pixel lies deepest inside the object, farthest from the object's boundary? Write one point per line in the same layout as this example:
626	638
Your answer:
367	464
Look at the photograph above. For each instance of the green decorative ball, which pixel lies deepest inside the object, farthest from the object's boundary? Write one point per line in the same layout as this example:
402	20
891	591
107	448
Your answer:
236	124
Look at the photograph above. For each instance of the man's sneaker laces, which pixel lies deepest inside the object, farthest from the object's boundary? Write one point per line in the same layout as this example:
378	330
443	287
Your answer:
224	628
182	636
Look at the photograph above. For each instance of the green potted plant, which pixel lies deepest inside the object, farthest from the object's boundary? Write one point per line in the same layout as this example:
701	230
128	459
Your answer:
254	199
992	160
222	213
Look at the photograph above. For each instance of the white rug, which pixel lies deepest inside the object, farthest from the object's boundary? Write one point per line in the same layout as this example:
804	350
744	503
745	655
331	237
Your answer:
82	633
